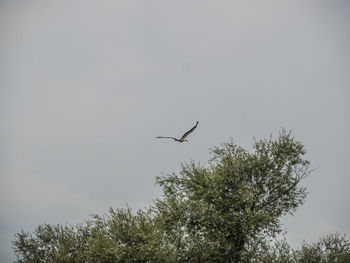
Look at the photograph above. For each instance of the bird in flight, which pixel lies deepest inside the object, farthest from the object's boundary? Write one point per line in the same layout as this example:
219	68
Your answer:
183	138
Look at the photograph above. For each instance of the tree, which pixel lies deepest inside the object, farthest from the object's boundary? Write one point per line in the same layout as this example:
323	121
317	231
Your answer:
333	248
126	237
52	243
223	211
228	210
120	236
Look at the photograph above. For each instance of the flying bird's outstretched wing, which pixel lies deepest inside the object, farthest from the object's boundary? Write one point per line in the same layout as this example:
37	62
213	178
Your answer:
189	131
166	137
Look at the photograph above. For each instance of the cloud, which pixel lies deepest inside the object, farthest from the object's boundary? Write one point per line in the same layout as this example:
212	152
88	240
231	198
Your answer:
86	86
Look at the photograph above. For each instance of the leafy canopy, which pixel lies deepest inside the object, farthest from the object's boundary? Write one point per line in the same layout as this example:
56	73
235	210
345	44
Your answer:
228	210
223	210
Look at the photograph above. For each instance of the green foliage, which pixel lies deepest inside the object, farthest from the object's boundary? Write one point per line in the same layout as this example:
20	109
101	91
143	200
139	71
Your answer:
237	200
124	237
52	244
329	249
118	237
225	211
333	248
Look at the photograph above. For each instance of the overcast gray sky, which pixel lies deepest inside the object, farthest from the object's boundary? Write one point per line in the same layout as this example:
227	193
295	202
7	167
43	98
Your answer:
87	85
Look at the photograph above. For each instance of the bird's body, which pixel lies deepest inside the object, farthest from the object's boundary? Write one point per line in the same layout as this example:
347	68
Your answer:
183	138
